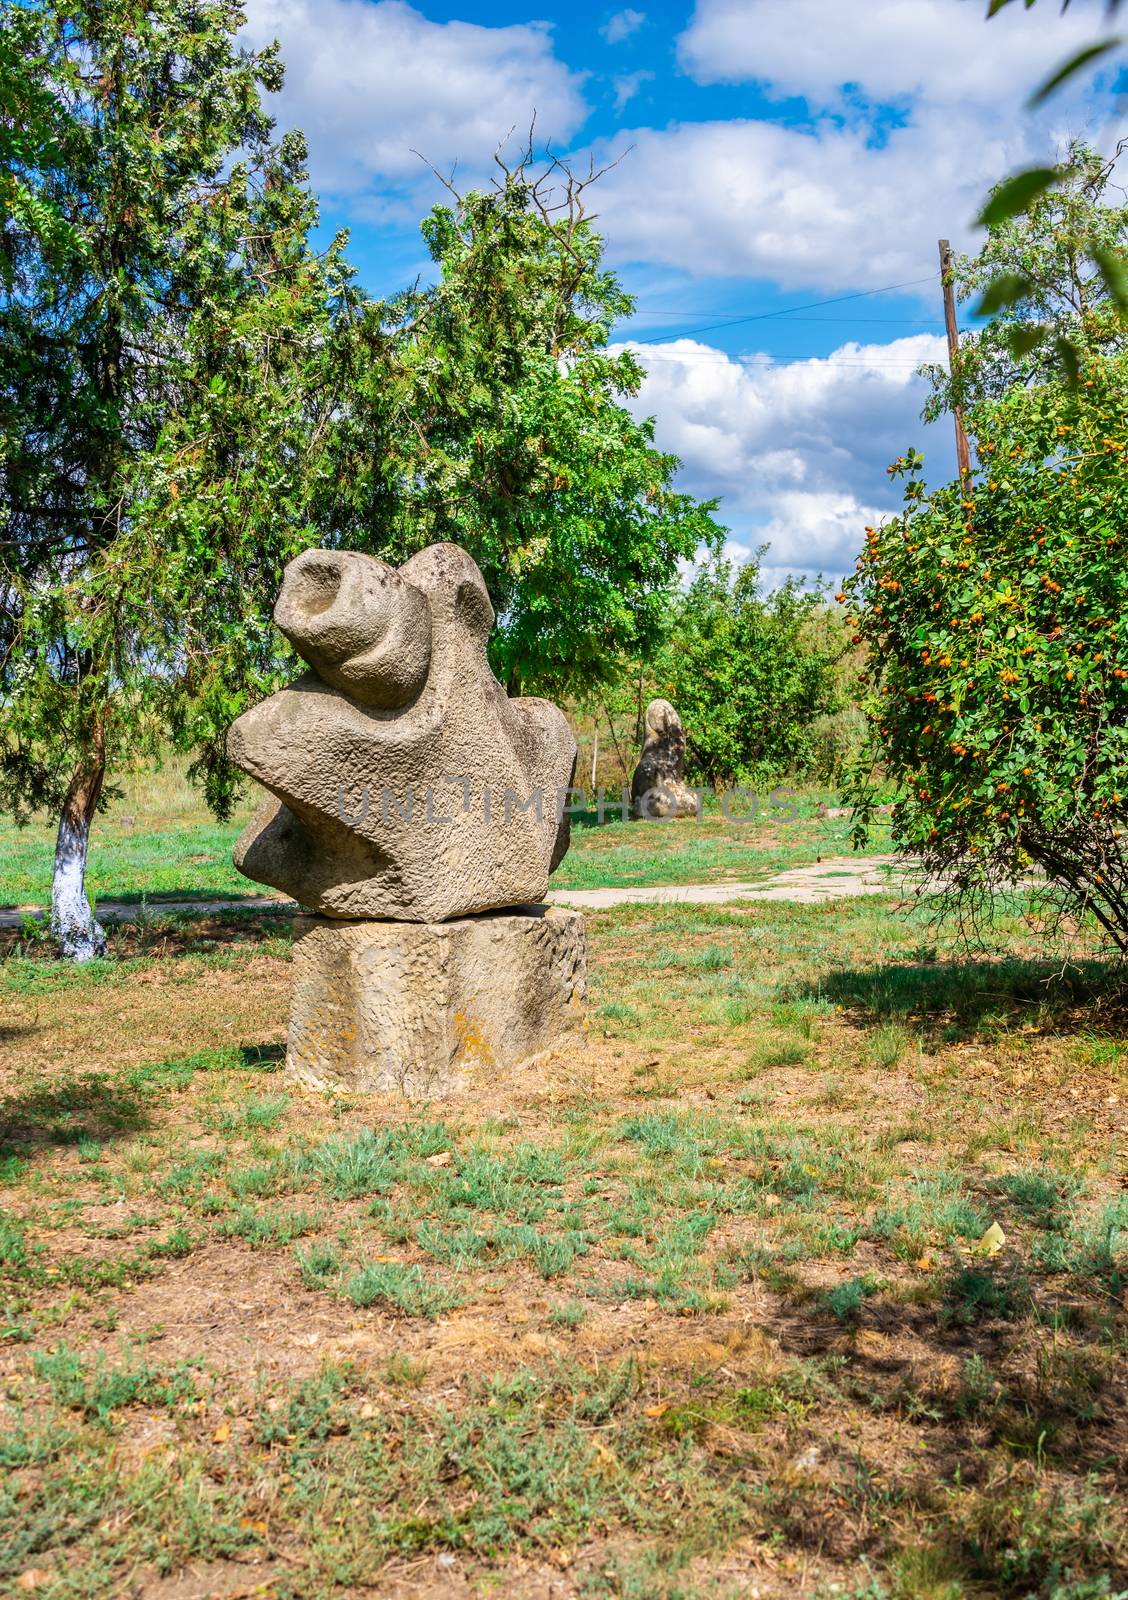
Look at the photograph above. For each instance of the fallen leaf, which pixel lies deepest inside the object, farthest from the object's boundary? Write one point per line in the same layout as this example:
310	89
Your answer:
222	1433
923	1264
32	1578
657	1411
992	1241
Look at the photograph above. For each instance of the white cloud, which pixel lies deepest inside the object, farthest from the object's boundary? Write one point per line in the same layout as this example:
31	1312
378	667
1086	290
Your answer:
943	51
622	25
627	86
370	82
916	109
806	207
797	451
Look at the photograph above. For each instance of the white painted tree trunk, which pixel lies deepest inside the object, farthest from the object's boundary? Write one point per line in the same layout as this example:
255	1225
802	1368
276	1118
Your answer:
80	937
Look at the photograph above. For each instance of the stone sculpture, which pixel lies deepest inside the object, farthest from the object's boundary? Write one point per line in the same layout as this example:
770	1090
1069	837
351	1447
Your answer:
658	787
417	811
405	783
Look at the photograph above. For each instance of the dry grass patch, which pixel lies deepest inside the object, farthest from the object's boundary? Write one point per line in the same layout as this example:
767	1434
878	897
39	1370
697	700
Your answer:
699	1308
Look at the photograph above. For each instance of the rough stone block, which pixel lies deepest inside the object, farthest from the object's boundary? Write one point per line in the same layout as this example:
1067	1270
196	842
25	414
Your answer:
428	1008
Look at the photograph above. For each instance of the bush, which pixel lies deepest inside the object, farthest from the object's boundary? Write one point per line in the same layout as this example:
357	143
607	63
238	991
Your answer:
751	675
996	629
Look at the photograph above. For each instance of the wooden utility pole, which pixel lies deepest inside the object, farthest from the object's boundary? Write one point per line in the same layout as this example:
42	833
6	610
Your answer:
963	454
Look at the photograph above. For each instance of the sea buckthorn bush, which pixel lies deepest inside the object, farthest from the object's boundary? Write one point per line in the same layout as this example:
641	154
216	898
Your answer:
994	618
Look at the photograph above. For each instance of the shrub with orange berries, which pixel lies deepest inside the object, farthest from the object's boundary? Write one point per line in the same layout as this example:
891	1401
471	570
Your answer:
997	658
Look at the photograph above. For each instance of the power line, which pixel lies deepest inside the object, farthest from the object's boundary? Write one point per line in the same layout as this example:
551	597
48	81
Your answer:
883	322
702	358
787	311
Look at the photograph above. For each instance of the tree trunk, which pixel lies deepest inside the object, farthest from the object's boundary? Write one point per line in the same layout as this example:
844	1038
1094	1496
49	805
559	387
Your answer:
79	936
611	729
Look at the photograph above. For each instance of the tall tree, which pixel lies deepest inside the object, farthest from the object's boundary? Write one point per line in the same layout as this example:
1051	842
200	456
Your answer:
1047	250
1013	286
189	395
159	306
482	408
491	413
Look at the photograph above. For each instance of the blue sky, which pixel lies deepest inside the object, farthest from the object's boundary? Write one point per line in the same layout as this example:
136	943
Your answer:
776	155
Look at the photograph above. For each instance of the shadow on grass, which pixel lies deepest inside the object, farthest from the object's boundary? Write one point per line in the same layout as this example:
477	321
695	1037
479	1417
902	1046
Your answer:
160	934
11	1031
229	899
937	1351
962	999
262	1057
84	1108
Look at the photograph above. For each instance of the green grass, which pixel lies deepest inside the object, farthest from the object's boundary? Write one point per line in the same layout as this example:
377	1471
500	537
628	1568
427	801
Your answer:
402	1288
708	850
699	1306
157	841
97	1388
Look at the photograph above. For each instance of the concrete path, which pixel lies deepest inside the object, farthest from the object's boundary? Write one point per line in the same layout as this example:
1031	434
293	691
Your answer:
834	879
842	877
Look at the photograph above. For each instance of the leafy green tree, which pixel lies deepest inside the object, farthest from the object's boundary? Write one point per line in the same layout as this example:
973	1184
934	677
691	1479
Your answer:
1045	251
1014	286
998	652
159	295
490	413
32	119
189	395
750	673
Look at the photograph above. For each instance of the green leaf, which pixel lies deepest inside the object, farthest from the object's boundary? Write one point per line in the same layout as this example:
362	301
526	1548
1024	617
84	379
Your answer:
1114	271
1006	290
1069	358
1026	337
1075	64
1015	195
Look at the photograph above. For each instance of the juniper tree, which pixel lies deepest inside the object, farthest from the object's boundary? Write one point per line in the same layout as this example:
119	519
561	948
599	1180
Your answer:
190	394
161	310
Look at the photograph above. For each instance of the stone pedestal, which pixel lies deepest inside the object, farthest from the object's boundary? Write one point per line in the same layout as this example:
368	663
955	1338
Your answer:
427	1008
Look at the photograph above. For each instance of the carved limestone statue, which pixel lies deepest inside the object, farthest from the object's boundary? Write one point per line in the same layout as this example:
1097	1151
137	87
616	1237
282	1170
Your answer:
404	783
658	787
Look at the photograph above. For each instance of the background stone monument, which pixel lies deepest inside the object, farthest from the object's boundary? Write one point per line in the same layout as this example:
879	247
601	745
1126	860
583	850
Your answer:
417	812
658	787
